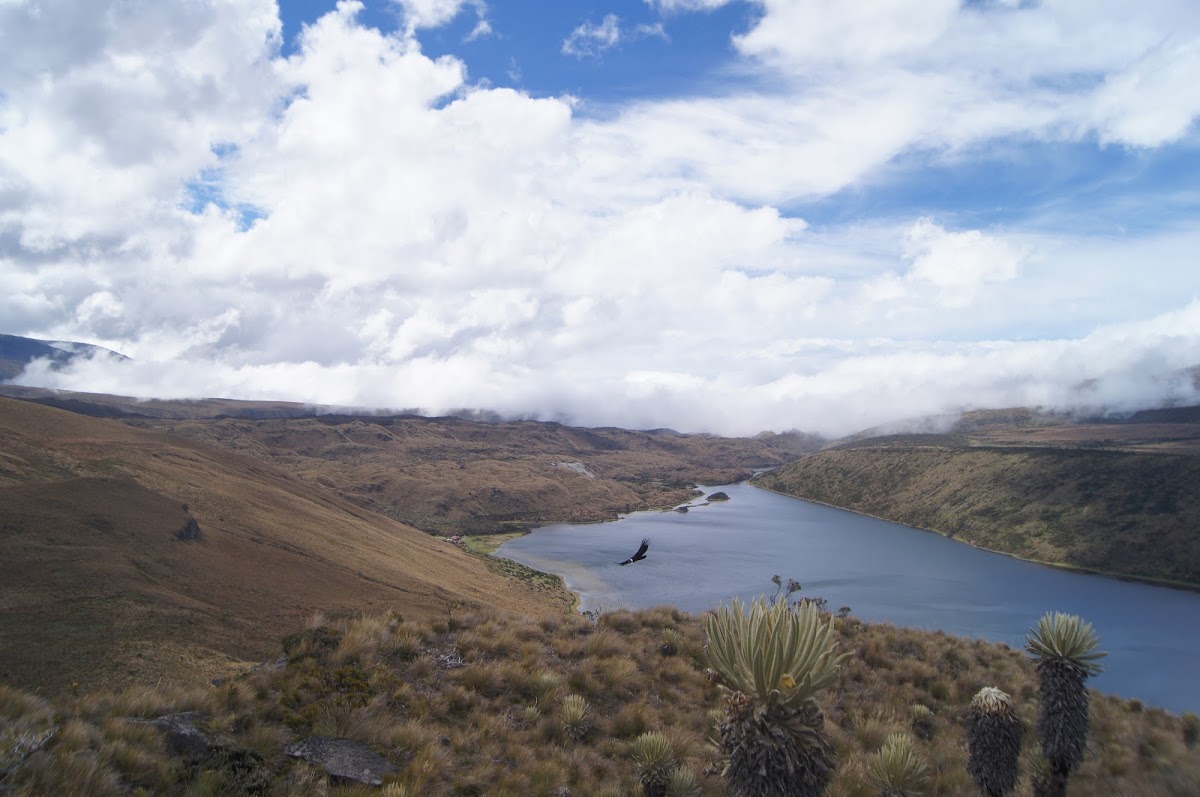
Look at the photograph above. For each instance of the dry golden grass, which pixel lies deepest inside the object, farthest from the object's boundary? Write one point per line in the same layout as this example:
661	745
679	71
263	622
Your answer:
492	704
97	590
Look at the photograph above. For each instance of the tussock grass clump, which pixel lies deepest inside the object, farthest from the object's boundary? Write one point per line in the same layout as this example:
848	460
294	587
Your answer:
477	705
27	724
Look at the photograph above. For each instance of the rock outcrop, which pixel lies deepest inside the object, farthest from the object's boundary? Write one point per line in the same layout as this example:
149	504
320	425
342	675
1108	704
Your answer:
190	530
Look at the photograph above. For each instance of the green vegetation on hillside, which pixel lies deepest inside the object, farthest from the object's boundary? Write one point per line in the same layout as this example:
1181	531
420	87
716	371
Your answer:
1122	512
483	703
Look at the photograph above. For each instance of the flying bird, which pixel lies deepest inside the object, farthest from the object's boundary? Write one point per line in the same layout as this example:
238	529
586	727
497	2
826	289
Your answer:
640	555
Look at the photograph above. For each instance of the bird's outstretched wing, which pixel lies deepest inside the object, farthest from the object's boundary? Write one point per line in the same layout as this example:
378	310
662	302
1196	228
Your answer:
641	553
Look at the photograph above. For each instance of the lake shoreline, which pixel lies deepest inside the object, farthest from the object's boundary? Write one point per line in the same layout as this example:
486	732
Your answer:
703	557
702	489
486	545
1152	581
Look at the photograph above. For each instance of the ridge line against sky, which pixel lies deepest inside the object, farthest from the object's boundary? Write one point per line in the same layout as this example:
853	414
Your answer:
713	215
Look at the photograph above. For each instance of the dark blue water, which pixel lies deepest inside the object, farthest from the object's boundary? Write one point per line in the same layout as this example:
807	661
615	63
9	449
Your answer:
882	571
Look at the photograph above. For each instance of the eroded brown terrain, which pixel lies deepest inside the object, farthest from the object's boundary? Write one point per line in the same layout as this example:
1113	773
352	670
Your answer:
97	588
455	476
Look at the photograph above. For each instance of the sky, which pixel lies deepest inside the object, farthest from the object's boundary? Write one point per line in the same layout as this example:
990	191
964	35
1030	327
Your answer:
721	216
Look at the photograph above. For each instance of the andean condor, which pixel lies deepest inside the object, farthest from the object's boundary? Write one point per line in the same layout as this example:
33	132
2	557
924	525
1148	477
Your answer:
640	555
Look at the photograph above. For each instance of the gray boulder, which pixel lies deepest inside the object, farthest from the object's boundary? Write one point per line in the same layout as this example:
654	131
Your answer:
180	733
190	530
344	758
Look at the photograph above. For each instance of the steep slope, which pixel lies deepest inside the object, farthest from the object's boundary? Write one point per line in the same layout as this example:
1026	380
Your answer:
104	578
1115	498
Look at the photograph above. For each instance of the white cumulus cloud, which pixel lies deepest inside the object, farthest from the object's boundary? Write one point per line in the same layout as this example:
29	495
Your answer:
590	39
359	224
958	264
419	14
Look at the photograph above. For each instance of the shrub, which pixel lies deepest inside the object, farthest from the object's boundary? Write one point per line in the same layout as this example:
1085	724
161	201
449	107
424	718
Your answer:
922	719
671	641
683	782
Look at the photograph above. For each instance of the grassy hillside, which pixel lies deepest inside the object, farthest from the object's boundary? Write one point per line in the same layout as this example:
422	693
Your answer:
104	580
481	703
1115	498
456	476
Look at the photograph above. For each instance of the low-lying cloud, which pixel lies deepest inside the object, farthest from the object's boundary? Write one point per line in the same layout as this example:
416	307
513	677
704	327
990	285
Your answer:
844	386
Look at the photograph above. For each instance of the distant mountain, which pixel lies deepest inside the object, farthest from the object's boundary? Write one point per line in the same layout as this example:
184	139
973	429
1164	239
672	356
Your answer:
17	352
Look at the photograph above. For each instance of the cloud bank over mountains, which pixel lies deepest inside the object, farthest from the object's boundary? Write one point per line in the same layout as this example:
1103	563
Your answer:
357	223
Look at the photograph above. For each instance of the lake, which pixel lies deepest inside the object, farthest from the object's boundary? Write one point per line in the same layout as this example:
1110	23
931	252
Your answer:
883	571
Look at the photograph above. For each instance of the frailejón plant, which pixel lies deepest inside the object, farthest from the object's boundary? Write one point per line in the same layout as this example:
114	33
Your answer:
897	769
993	742
771	660
573	712
655	758
1066	651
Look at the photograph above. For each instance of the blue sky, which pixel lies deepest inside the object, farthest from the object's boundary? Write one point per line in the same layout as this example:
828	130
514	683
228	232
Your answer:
524	50
714	215
664	53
